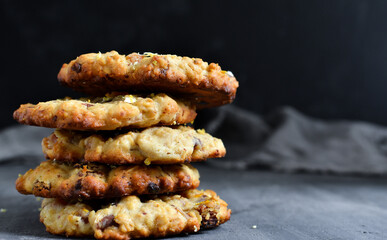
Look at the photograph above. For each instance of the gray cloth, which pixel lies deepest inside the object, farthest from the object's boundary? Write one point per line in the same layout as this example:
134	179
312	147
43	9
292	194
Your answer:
288	141
22	141
265	204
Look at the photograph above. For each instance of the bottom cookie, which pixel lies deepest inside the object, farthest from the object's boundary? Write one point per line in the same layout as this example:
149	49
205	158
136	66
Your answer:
134	217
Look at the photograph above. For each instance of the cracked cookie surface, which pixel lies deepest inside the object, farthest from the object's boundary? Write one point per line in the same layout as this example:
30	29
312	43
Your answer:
159	145
111	112
53	179
206	85
134	217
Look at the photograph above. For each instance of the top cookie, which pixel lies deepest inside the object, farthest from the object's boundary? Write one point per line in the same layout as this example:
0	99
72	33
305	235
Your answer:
206	85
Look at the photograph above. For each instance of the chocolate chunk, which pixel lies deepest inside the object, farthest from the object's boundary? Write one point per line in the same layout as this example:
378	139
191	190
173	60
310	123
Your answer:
210	220
78	185
106	222
76	67
163	71
197	142
85	219
153	188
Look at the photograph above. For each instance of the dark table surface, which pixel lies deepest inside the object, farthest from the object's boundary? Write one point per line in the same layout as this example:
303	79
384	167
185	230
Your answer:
352	204
265	205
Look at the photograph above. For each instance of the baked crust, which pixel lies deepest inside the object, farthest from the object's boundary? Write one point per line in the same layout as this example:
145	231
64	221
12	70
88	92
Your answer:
108	113
53	179
204	84
132	217
159	145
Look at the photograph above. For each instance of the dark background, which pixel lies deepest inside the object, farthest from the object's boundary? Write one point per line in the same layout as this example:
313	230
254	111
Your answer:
325	58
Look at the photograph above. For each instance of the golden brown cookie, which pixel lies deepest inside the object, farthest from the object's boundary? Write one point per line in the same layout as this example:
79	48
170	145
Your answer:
62	218
52	179
132	217
106	113
206	85
158	145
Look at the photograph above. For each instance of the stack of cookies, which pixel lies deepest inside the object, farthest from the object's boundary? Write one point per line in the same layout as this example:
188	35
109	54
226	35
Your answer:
118	163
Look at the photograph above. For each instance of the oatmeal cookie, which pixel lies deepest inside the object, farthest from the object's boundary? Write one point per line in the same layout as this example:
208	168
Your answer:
62	218
159	145
192	78
53	179
106	113
134	217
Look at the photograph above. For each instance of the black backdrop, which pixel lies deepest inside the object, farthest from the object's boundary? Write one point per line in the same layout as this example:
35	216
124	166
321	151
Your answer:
325	58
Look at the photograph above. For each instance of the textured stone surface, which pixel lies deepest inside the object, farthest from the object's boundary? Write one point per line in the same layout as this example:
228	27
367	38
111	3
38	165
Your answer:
281	206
